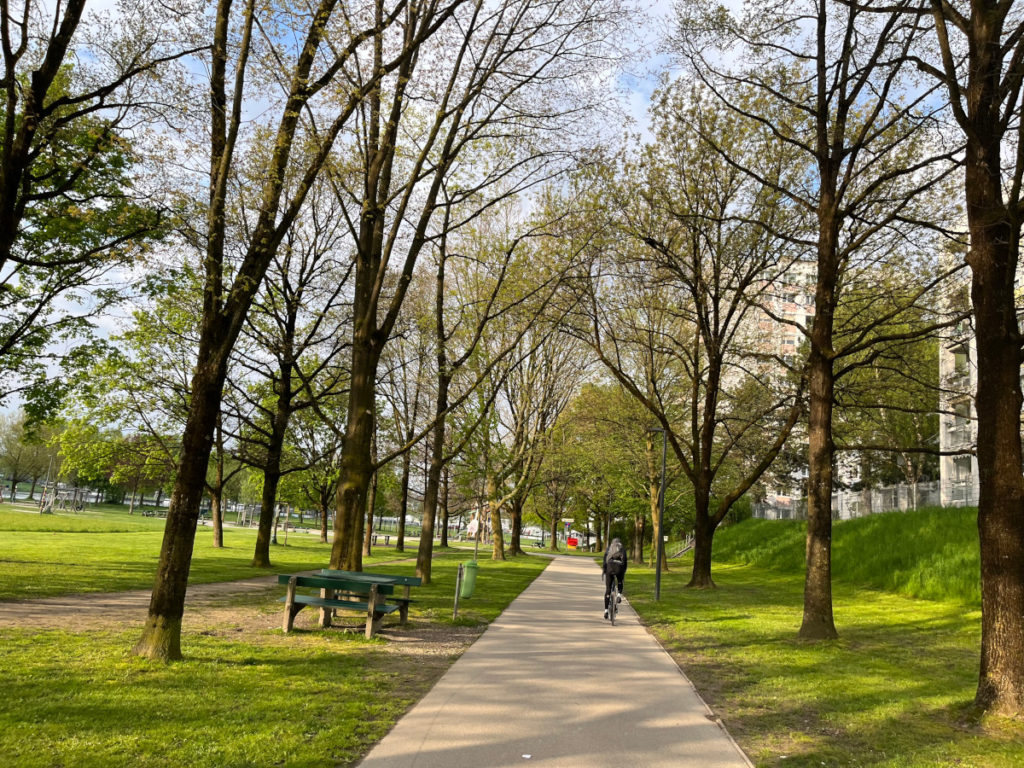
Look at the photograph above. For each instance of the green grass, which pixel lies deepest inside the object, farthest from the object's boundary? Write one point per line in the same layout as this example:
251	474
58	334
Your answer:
895	690
241	698
48	555
930	553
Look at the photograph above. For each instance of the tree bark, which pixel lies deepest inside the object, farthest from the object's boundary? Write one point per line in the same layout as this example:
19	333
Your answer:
217	496
161	634
403	506
356	464
993	259
818	622
444	510
703	541
515	537
638	538
272	468
494	503
424	555
371	502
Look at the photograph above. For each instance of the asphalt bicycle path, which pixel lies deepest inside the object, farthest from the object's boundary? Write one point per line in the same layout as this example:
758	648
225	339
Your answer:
552	683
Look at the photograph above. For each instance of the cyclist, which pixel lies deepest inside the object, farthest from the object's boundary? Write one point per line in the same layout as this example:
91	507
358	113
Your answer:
613	566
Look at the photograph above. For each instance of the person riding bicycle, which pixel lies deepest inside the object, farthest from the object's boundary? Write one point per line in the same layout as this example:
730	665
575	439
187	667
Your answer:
613	567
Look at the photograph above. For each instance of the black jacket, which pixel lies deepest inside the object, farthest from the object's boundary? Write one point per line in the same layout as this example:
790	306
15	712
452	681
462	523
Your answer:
614	558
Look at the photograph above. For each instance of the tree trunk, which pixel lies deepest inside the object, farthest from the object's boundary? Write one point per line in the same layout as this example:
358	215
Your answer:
217	497
515	538
704	539
217	513
554	532
272	469
371	502
135	486
356	464
494	503
424	555
324	508
638	539
444	510
818	622
654	497
161	635
403	506
993	259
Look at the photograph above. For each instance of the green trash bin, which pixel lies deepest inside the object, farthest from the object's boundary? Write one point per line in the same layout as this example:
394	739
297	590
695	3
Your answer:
468	579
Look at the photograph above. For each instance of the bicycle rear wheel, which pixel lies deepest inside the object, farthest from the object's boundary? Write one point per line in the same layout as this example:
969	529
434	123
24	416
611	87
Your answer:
613	601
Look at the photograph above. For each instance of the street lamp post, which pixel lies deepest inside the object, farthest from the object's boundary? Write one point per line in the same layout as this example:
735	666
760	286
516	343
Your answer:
658	545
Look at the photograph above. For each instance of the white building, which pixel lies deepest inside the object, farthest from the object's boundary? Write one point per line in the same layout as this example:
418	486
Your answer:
958	377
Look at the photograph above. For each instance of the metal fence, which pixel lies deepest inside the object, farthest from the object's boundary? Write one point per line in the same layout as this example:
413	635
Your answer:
847	505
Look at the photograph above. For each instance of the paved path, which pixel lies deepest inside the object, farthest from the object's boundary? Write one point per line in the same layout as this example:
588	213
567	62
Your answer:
552	683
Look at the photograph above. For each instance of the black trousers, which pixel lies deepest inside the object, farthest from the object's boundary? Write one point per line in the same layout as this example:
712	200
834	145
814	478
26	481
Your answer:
608	576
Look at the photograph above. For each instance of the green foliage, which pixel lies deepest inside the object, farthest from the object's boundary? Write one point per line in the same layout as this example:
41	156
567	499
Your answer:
81	218
931	553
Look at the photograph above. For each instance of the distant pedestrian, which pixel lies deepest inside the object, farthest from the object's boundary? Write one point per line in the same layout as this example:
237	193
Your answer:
613	566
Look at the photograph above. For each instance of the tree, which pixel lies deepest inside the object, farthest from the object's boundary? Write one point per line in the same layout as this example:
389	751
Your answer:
71	211
829	80
502	275
24	451
669	304
293	340
602	457
501	95
326	44
980	65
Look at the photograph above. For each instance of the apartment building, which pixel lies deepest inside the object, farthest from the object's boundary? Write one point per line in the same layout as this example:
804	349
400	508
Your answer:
958	435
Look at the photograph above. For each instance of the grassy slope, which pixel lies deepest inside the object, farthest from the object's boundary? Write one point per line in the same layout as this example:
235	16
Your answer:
894	690
931	554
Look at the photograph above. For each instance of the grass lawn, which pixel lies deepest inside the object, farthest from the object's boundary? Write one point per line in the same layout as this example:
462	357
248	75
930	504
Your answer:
48	555
894	690
246	695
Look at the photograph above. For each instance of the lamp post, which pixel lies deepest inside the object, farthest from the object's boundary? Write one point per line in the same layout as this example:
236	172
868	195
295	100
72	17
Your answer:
658	545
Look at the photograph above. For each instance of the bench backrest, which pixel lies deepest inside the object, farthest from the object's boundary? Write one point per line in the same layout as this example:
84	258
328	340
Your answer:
338	584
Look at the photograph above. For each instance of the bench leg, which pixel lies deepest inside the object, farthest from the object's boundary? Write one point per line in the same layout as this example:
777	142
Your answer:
403	611
289	606
325	612
372	623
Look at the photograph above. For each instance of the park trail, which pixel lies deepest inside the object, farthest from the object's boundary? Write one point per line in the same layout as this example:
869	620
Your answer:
95	610
552	683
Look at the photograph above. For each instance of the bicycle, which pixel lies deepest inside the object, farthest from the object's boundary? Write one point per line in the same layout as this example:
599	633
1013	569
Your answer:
613	601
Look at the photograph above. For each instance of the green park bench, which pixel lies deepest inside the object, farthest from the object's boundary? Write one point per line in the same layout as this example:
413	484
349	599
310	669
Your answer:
337	594
384	579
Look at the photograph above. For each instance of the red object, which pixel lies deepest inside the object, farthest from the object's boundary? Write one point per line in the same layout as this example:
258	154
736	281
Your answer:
573	541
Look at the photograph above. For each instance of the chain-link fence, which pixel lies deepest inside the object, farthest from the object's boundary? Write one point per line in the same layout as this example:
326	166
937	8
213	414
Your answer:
850	504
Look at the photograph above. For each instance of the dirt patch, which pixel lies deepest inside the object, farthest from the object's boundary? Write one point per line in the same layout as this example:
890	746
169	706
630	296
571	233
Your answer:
234	608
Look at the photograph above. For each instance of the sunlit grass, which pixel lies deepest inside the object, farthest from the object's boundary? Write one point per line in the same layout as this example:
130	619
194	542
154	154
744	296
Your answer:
896	688
47	555
931	553
253	698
